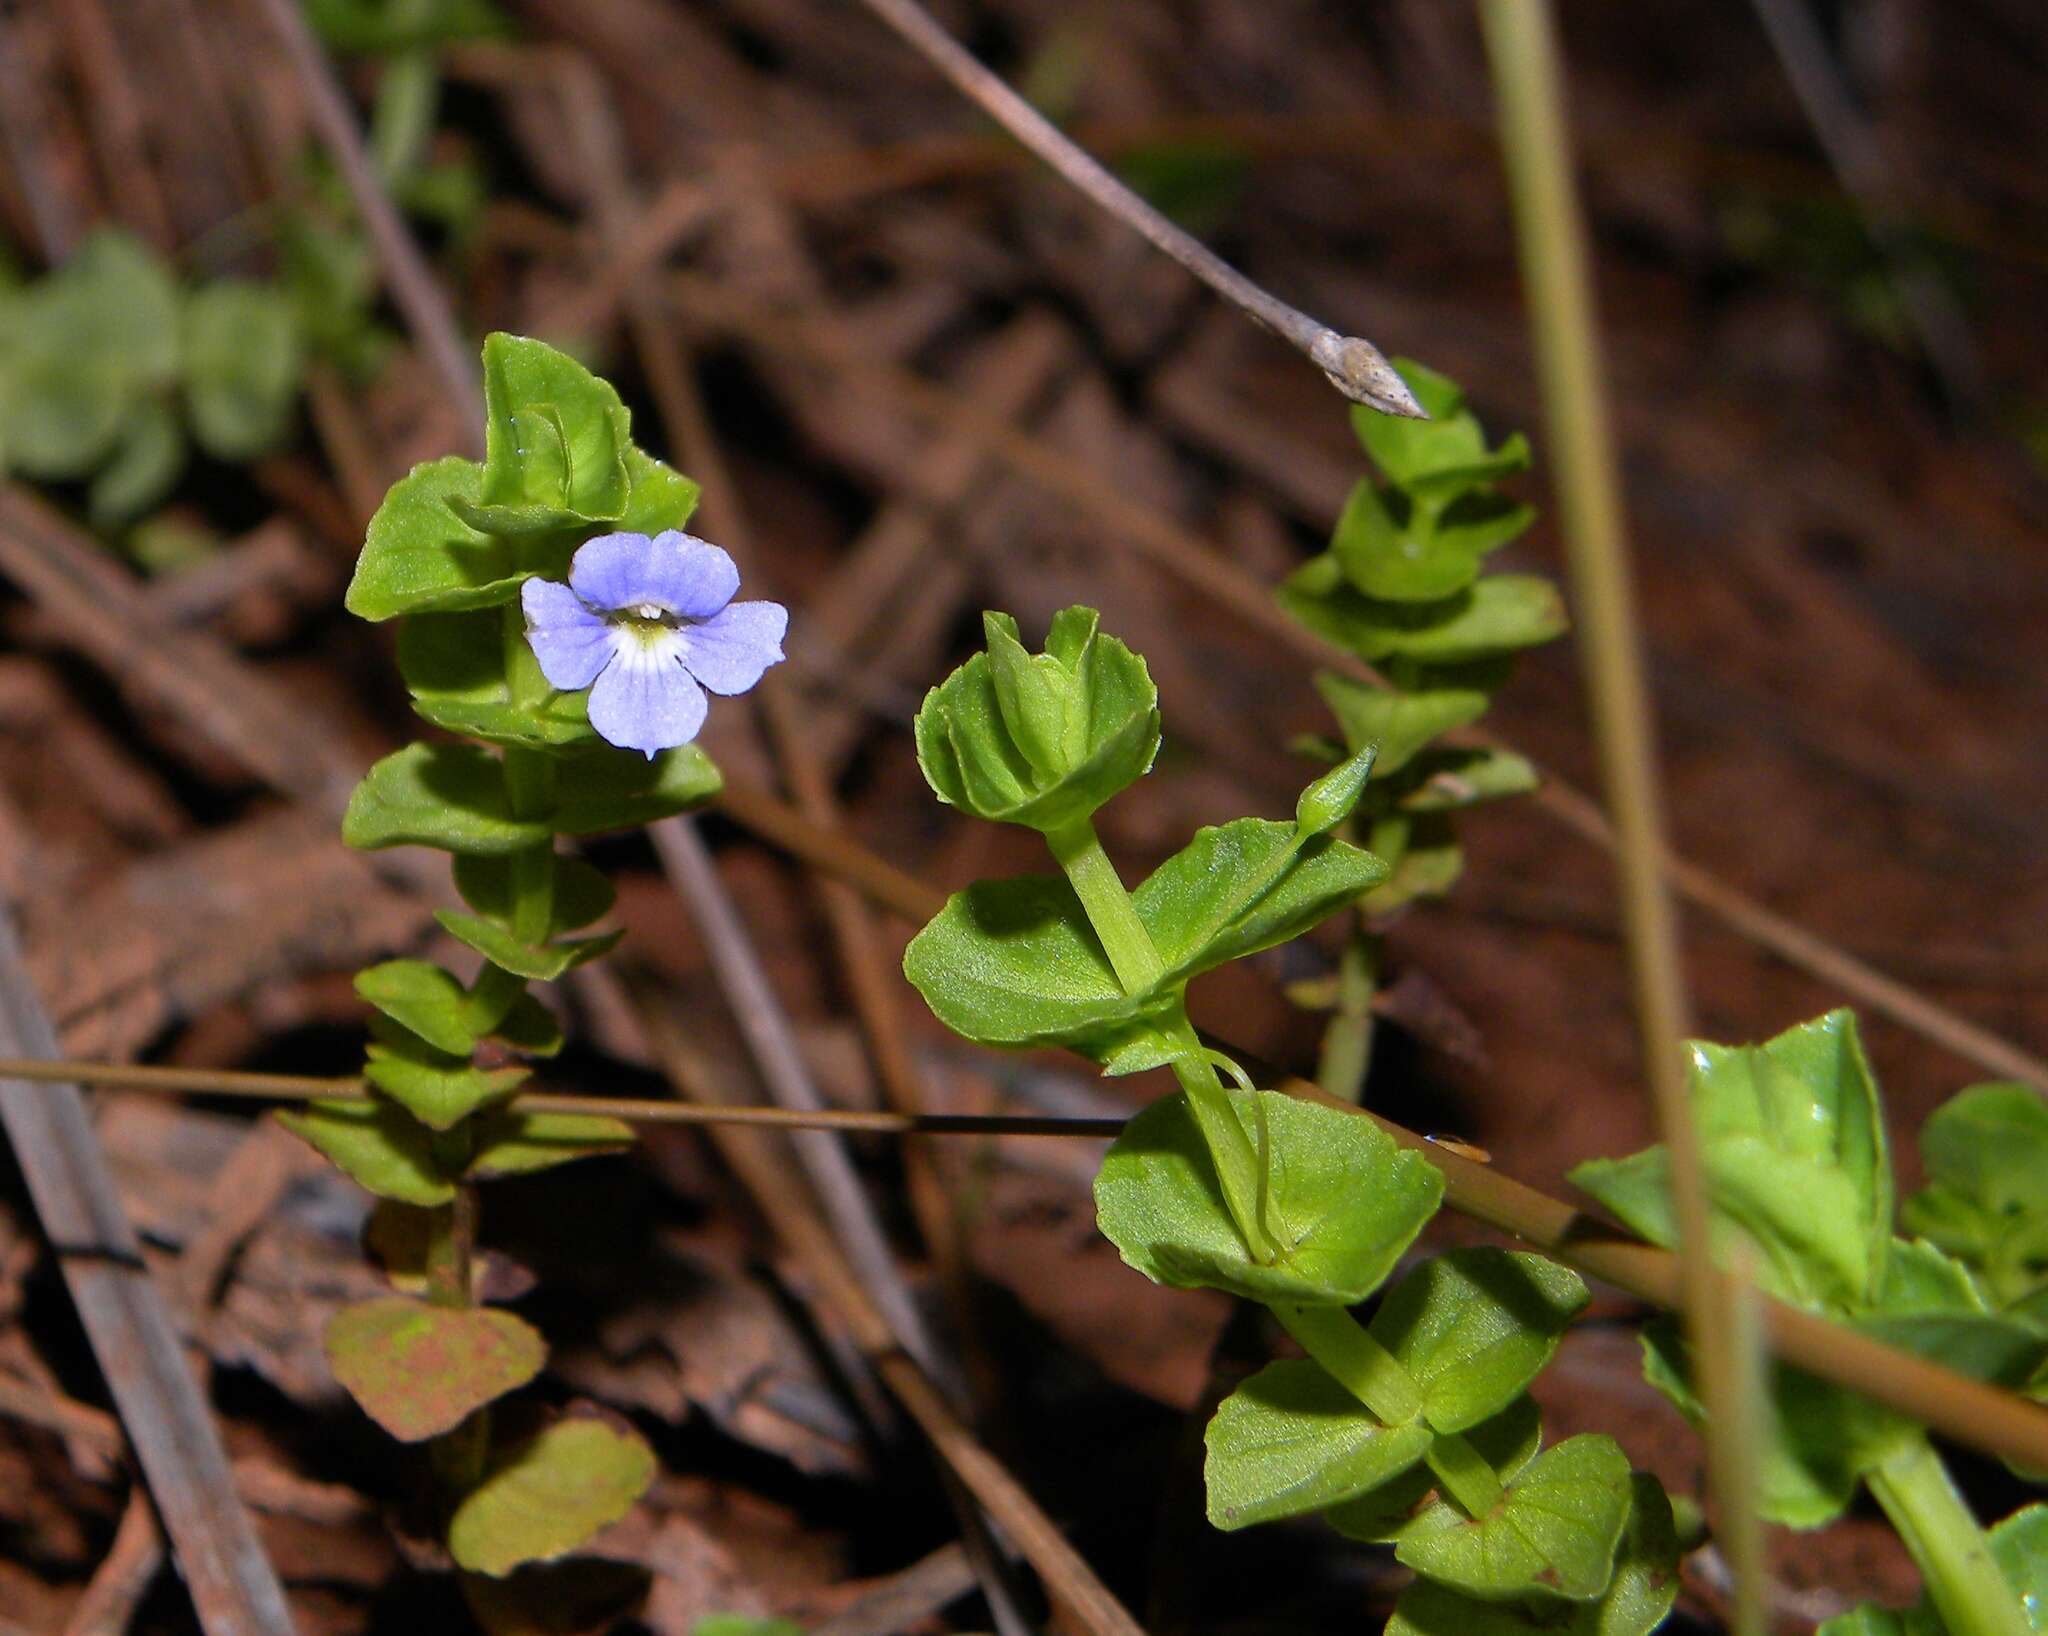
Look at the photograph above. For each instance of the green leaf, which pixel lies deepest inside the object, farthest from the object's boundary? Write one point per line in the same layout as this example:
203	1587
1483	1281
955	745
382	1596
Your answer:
1331	799
378	1144
1555	1533
1475	1327
543	962
1015	963
1244	886
2019	1545
555	440
144	465
1455	779
1399	723
380	27
1872	1620
423	998
1443	454
419	556
450	796
1990	1143
454	664
511	1142
436	1088
242	363
1290	1440
659	497
1501	613
530	1027
743	1624
546	1497
81	350
1389	551
1344	1200
581	894
621	789
1507	1442
1645	1585
1817	1444
1793	1142
420	1370
1086	710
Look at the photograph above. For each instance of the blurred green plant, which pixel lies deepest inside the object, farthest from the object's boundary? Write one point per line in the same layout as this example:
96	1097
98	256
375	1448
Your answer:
111	369
1404	586
1792	1142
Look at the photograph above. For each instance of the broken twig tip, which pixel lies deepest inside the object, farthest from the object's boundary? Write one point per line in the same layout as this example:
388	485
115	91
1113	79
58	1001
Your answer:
1361	372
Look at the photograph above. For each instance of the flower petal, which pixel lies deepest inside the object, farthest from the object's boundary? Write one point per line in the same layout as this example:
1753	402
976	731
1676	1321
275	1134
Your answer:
729	651
678	572
571	642
645	700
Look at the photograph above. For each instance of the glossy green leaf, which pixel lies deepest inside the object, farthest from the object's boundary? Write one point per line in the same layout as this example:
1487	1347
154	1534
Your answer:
1244	886
1500	613
1990	1143
1390	551
419	1370
743	1624
1015	963
1555	1533
543	962
581	894
450	796
1645	1585
1331	799
420	557
620	789
658	496
555	440
437	1089
423	998
1345	1202
1291	1440
1792	1139
242	364
454	665
143	466
546	1497
1475	1327
511	1142
1086	709
1507	1442
1872	1620
378	1144
1399	722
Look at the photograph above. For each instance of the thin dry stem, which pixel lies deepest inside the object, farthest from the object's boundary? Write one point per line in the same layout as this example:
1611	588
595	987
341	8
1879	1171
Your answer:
1354	365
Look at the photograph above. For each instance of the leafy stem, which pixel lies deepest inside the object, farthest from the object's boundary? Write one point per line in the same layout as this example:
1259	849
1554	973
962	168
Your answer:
1953	1555
1240	1166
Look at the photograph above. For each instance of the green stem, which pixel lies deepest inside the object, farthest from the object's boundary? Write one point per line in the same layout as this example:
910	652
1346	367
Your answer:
1109	907
458	1456
1472	1485
1358	1363
529	791
1240	1166
1954	1557
1347	1041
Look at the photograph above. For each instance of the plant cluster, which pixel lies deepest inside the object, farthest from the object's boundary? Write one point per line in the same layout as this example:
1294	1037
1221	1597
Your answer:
1792	1145
1404	586
111	369
465	552
1416	1429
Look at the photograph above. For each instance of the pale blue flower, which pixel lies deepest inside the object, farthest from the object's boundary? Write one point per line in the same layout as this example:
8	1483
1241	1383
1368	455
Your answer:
647	625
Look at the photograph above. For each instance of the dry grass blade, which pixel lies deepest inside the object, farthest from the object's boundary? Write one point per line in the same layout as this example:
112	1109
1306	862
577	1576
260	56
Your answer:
234	1589
1354	365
